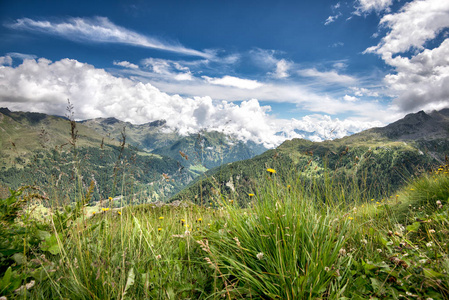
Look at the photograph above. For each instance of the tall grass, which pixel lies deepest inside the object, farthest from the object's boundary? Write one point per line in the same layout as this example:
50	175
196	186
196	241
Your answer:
285	247
296	240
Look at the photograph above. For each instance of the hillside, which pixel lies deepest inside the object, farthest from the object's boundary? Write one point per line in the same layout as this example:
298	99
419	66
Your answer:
38	149
378	160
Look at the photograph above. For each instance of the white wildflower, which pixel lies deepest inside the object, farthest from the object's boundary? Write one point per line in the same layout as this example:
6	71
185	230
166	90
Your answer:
259	255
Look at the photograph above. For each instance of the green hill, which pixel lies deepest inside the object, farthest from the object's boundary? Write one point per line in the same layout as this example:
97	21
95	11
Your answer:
43	150
378	160
38	149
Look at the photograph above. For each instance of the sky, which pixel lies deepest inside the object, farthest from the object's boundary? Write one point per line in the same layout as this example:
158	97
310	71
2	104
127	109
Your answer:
263	71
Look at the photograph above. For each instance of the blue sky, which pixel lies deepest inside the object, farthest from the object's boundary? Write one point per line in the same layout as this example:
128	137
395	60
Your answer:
261	70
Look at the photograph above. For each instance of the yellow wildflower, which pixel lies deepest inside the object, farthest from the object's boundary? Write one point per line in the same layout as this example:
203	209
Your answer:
119	212
271	171
105	209
350	218
110	198
251	194
161	218
159	229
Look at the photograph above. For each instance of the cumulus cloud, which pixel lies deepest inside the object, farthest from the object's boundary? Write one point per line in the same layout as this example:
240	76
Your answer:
100	30
234	82
125	64
97	93
421	78
327	76
368	6
424	18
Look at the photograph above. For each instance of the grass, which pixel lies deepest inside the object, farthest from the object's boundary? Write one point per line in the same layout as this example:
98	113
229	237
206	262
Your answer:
285	245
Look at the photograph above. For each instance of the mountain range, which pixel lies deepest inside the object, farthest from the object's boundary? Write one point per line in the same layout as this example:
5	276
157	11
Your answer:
151	161
378	160
44	150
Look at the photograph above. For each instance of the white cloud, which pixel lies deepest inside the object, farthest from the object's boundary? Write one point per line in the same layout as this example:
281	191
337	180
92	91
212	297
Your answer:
184	77
367	6
282	68
340	65
322	127
328	76
350	98
168	69
332	19
5	60
360	92
125	64
101	30
158	66
96	93
422	82
278	68
234	82
416	23
420	79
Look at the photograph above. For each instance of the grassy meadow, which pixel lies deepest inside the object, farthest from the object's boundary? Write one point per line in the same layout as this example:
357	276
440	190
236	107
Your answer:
295	238
286	244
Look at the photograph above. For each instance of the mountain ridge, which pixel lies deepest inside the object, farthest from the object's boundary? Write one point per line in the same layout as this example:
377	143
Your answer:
378	159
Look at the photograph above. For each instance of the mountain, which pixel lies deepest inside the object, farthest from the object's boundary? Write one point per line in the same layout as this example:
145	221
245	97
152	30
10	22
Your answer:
197	152
147	137
378	160
45	150
209	149
62	157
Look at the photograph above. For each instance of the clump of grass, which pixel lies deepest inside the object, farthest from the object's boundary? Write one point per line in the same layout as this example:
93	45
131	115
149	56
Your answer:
285	247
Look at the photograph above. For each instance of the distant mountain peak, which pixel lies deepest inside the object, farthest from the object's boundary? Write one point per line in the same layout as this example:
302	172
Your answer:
420	125
5	110
111	121
157	123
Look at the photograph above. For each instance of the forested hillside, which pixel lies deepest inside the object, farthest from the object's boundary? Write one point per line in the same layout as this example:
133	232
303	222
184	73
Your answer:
378	160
